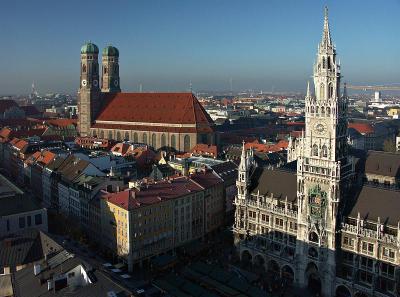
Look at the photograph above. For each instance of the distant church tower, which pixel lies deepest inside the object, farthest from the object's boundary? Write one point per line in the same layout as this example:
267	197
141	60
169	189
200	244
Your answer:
110	72
89	91
323	168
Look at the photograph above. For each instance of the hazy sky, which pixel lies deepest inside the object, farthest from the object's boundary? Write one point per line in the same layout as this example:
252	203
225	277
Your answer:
165	44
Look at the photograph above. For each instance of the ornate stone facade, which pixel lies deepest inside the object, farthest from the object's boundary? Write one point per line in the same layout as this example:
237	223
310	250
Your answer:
308	221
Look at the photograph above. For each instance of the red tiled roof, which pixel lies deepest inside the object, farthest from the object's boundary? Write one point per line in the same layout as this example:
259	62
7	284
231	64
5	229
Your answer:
153	193
206	149
5	133
7	104
121	148
363	128
21	144
62	122
163	108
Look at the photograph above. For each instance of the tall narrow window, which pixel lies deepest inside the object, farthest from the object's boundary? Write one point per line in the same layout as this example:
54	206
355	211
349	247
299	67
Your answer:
186	143
153	140
330	90
144	138
118	136
126	135
135	137
322	91
315	150
324	151
163	140
101	134
173	141
110	136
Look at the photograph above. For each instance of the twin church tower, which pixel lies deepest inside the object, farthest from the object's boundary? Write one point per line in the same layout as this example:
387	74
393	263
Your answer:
89	92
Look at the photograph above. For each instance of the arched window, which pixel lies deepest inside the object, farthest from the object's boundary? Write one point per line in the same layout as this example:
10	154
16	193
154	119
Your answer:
101	134
84	68
135	137
323	62
163	140
315	150
118	136
330	90
186	143
110	135
317	110
144	138
173	141
105	69
329	63
322	91
328	111
153	140
322	110
312	109
313	237
324	151
126	135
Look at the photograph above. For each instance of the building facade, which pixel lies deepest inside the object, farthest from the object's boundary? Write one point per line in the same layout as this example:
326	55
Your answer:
299	221
175	120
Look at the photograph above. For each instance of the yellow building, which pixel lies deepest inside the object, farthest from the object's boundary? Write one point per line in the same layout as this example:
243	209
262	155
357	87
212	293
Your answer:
394	111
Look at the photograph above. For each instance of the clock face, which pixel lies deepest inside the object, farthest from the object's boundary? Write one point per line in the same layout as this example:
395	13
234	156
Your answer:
116	83
320	128
95	83
84	82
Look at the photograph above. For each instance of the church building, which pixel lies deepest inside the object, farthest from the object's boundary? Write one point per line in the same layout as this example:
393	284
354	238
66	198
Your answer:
329	219
174	120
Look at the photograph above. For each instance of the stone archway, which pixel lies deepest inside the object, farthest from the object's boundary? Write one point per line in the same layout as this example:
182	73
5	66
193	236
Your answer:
342	291
246	258
313	278
259	260
273	267
288	274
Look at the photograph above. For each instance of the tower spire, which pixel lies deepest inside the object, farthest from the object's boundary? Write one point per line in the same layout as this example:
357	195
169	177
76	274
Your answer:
308	89
326	34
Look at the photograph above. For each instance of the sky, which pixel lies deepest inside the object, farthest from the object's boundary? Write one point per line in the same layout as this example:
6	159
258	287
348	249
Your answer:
166	44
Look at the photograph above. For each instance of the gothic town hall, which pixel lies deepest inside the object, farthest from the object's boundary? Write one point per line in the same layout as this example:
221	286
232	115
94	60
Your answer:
328	219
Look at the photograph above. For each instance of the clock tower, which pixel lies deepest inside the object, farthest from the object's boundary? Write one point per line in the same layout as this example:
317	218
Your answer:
323	169
89	91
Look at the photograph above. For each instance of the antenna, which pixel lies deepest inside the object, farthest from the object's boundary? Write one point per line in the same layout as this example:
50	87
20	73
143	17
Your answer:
191	87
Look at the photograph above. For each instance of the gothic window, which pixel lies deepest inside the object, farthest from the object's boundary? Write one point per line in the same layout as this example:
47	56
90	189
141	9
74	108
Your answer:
105	70
313	237
323	63
144	138
323	110
126	135
322	91
135	137
163	140
186	143
101	134
118	136
312	109
324	151
84	68
328	111
315	150
110	135
317	110
153	140
329	63
173	141
330	90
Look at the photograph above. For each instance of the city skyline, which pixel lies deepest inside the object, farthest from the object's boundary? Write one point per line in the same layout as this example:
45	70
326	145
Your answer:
262	46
